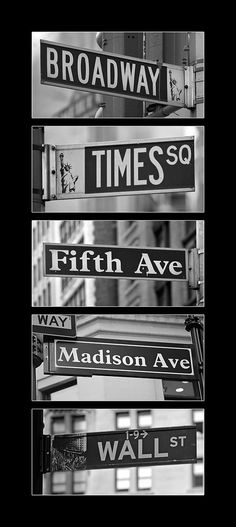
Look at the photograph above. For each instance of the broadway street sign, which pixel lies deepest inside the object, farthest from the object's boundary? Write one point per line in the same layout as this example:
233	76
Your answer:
129	448
89	356
83	69
114	261
58	325
119	168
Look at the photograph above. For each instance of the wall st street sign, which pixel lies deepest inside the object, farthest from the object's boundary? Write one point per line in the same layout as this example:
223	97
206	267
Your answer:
101	261
129	448
58	325
120	75
89	356
119	168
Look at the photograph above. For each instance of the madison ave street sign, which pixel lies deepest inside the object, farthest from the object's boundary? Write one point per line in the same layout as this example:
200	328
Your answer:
89	356
83	69
115	262
128	448
119	168
58	325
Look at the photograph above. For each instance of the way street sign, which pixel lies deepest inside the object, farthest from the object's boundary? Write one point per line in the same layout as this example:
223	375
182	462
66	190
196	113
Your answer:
58	325
119	168
89	356
83	69
101	261
129	448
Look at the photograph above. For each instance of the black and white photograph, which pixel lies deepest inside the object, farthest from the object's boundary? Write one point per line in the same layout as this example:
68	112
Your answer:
118	357
117	206
118	74
127	263
117	451
117	169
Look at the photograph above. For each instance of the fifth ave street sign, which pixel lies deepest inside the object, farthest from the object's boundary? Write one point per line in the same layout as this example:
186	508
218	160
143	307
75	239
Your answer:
119	168
114	261
83	69
58	325
128	448
89	356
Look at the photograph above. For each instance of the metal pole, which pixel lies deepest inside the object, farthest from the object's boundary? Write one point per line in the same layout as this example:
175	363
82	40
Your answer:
200	249
194	325
37	451
38	142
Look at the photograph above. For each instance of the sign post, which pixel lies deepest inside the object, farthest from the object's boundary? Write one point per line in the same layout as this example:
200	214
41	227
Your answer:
90	356
101	261
118	168
126	448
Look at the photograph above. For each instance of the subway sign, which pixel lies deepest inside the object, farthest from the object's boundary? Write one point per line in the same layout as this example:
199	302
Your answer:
120	168
120	75
126	448
89	356
101	261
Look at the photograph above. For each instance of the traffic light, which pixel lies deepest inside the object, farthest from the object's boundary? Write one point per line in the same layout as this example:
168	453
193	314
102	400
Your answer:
37	351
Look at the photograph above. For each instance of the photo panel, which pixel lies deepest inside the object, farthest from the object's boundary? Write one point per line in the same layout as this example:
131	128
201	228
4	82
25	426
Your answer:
118	74
100	169
123	451
122	357
127	263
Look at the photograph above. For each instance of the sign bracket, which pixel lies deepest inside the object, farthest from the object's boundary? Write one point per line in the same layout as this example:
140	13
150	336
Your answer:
193	269
45	458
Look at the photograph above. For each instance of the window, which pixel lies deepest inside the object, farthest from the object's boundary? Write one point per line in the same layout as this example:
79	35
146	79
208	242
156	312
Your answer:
58	482
144	478
180	390
35	275
161	233
144	418
78	423
49	294
198	468
163	293
122	479
79	482
58	425
34	239
44	297
39	268
38	232
123	420
78	298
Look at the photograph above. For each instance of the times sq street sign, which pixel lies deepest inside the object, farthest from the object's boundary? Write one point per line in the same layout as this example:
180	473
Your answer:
126	448
150	166
108	73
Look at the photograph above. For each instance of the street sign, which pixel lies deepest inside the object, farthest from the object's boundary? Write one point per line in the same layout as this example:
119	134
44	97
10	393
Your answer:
119	168
101	261
126	448
58	325
89	356
120	75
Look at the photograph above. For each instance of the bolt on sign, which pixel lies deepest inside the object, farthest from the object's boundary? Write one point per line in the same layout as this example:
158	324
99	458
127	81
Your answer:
88	356
115	262
129	448
58	325
119	168
120	75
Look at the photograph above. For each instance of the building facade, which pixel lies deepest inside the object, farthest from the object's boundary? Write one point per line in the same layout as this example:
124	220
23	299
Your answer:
184	479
